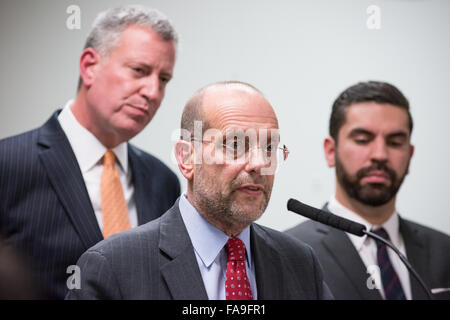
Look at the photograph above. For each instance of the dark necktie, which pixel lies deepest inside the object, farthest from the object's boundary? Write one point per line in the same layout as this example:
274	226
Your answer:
391	283
237	285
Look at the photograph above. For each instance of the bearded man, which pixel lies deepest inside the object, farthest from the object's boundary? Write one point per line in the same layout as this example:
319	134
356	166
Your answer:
370	147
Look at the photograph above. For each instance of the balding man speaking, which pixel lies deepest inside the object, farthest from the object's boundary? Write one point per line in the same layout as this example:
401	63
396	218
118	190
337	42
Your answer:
207	245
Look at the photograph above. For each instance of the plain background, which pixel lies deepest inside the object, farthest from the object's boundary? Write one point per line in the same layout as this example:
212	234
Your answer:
301	54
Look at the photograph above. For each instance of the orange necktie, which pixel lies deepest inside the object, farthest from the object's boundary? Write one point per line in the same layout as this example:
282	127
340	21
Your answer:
114	207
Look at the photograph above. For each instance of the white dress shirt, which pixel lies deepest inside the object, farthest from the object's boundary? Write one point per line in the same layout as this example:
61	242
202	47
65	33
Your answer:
367	247
208	242
89	153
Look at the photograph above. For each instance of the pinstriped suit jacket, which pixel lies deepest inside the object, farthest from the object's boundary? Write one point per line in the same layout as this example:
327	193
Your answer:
45	209
157	261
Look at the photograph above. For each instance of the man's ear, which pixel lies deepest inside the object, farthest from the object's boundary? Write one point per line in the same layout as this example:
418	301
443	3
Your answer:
89	61
411	153
184	153
329	147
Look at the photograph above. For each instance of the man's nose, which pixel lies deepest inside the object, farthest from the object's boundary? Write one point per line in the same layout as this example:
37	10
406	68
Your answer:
151	88
256	160
379	150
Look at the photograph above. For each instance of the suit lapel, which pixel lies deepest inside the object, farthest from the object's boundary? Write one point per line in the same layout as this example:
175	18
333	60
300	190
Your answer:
65	176
265	261
270	269
418	255
181	273
143	195
344	253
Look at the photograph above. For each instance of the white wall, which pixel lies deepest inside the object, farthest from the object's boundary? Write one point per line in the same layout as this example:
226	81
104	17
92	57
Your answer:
301	54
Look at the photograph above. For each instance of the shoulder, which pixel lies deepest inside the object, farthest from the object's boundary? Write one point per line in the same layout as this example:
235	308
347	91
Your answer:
133	242
434	237
305	231
27	142
151	162
283	243
117	267
20	142
18	154
292	256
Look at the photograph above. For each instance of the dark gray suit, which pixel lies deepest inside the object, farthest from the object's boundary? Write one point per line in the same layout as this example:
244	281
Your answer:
427	250
157	261
45	209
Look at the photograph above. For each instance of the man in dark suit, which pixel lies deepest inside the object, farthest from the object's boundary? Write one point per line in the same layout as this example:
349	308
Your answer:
207	245
369	144
76	180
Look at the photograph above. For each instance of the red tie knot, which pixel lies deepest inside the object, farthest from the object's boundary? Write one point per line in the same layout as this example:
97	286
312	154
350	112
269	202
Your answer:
235	249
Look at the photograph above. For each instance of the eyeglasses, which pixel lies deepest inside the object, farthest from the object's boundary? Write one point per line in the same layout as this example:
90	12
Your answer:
240	151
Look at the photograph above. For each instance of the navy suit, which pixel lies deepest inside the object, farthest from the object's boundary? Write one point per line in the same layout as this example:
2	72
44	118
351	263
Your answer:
45	209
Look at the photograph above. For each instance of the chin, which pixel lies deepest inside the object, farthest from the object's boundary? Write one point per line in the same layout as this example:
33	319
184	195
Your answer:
253	213
127	133
135	124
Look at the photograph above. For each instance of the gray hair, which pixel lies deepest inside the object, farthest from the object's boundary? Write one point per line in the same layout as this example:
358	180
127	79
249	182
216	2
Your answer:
109	25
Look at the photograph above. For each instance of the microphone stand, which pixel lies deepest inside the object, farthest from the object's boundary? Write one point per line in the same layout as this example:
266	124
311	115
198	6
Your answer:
403	258
352	227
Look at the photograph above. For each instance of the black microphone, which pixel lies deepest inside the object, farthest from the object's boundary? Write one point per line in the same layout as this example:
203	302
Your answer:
352	227
326	218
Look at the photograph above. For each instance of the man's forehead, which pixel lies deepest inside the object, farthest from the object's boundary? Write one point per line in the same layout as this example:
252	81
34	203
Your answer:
376	117
140	37
239	107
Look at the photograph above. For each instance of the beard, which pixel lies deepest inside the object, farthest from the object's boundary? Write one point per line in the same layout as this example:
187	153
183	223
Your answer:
372	194
220	204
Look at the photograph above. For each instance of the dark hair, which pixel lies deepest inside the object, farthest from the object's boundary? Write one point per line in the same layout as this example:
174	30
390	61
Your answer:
380	92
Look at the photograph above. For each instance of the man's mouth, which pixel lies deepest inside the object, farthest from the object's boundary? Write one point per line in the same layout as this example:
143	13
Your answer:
376	176
252	189
138	107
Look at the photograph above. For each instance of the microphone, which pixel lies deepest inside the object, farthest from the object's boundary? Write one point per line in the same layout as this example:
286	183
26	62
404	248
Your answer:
352	227
326	218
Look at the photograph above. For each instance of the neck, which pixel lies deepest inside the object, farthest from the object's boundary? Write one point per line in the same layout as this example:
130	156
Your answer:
374	215
84	115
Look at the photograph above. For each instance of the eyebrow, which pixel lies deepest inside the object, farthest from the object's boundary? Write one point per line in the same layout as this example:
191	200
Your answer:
359	131
149	67
399	134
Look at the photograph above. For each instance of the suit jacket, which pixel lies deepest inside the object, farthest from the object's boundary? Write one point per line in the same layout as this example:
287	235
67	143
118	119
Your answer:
45	209
427	250
157	261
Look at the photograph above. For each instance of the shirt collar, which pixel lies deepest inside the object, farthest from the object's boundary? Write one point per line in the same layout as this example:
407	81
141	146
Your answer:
391	225
392	228
208	240
87	148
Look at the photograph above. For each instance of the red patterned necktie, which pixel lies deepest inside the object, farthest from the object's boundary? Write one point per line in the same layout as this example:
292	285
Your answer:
237	285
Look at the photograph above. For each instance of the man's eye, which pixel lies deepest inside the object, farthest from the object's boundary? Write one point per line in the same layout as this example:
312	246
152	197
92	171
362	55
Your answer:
164	79
362	141
233	145
139	71
395	143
